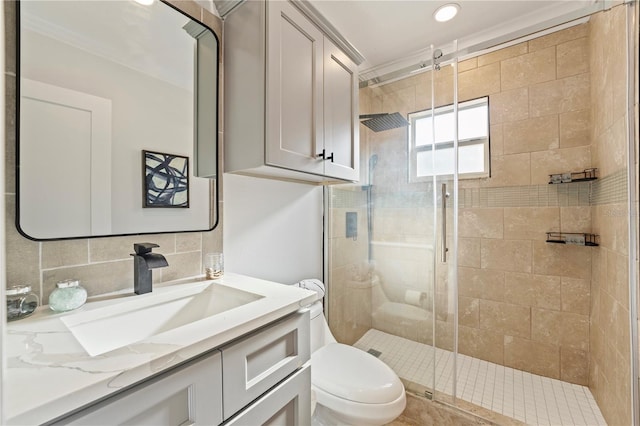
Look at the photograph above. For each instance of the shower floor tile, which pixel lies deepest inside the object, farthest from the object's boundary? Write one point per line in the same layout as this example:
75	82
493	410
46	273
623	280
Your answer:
526	397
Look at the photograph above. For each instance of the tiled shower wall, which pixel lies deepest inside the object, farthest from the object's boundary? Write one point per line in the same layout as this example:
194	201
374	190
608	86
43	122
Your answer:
523	303
102	264
609	364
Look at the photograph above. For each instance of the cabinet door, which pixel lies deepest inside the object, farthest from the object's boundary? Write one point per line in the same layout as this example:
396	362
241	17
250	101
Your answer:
341	137
192	395
288	404
294	90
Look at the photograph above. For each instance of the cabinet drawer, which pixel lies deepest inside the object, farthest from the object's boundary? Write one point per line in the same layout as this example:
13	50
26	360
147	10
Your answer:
288	404
190	395
258	362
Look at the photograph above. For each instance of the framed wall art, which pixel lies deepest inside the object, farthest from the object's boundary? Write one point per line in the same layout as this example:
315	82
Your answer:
165	180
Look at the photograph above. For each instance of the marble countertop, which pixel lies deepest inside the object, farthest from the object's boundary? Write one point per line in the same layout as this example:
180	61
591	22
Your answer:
49	373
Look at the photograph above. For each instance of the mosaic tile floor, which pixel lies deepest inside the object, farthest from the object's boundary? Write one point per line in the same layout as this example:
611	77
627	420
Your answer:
527	397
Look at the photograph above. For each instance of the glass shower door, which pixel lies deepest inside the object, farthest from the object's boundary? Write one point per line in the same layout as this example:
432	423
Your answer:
390	291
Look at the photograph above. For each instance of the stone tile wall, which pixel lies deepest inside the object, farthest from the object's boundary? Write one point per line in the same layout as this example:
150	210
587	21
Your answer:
523	303
103	265
610	346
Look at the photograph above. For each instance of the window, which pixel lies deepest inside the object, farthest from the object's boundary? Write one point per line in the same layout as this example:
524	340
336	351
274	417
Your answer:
473	141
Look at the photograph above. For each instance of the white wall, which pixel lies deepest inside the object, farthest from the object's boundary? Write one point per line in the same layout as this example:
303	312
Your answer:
272	229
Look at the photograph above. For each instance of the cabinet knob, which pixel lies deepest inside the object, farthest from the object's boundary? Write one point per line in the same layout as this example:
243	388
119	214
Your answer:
324	156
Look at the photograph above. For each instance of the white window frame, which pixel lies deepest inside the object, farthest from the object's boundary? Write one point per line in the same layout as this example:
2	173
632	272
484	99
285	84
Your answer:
414	150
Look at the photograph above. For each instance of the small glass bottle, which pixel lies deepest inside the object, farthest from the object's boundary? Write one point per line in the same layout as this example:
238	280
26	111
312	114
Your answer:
21	302
67	296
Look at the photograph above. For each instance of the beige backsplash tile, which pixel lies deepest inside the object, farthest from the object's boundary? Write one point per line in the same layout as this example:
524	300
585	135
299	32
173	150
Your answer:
118	248
506	255
469	311
23	255
511	105
530	223
559	259
181	265
496	140
533	134
97	278
188	241
469	252
574	366
502	54
558	96
481	283
536	357
574	128
576	295
533	290
467	64
65	252
559	37
528	69
575	219
564	160
561	328
479	82
512	320
480	222
484	344
573	57
510	170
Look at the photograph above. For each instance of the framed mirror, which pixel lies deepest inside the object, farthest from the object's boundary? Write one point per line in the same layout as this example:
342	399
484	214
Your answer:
117	109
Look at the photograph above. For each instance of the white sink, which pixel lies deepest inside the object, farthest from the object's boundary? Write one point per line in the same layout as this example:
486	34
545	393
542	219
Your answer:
111	327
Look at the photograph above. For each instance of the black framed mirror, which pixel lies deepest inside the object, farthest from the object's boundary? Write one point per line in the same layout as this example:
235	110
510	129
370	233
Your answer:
117	120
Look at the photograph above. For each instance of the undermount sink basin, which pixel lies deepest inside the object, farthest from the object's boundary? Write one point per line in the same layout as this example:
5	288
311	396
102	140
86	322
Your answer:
111	327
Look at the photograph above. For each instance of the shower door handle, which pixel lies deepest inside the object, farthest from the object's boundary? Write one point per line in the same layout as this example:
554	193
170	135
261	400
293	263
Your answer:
445	195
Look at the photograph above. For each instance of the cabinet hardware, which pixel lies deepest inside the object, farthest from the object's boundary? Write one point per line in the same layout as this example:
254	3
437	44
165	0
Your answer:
324	156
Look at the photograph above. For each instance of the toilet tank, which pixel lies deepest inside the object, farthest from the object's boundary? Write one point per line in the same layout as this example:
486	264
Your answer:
320	333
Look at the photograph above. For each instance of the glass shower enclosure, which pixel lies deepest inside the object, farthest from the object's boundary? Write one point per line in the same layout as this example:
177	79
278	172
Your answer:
393	236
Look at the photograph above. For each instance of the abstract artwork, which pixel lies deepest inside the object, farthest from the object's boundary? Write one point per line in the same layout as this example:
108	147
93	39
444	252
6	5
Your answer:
166	180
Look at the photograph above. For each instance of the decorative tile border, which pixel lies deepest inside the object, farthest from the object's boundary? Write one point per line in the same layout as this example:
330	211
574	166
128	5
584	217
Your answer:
608	190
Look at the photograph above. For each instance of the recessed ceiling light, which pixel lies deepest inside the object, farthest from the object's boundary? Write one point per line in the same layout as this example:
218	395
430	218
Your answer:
446	12
145	2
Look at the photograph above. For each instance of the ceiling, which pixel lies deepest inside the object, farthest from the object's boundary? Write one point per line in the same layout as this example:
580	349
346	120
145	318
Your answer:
392	34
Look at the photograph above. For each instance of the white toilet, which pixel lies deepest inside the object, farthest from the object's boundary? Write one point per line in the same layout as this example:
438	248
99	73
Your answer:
351	387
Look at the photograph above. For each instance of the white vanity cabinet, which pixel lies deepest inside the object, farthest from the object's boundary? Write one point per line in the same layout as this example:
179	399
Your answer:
190	395
291	99
258	379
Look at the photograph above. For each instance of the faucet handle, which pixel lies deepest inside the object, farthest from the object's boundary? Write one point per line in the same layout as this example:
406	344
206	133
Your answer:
144	248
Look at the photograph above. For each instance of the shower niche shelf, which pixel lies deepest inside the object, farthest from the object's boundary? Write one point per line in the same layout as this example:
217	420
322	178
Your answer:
573	238
583	176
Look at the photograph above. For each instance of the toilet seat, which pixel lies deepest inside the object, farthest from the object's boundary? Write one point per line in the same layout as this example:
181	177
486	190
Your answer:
354	375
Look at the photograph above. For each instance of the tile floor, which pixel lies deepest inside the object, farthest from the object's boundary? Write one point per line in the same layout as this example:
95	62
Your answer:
526	397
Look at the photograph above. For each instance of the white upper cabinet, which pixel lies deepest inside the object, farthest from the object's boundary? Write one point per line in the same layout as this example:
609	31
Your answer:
291	99
341	140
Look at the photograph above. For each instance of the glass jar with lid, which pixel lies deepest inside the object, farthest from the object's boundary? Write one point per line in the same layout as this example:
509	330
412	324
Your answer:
67	295
21	302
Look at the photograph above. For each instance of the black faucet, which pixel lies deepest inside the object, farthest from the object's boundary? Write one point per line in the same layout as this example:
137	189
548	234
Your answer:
143	262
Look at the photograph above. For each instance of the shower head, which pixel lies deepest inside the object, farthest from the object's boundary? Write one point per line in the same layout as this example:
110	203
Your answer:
384	121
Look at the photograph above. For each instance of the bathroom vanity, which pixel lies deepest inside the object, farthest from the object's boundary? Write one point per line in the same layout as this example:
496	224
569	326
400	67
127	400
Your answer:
229	351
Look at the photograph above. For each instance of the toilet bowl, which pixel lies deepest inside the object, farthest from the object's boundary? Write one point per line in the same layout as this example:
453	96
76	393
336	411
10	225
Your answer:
351	387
